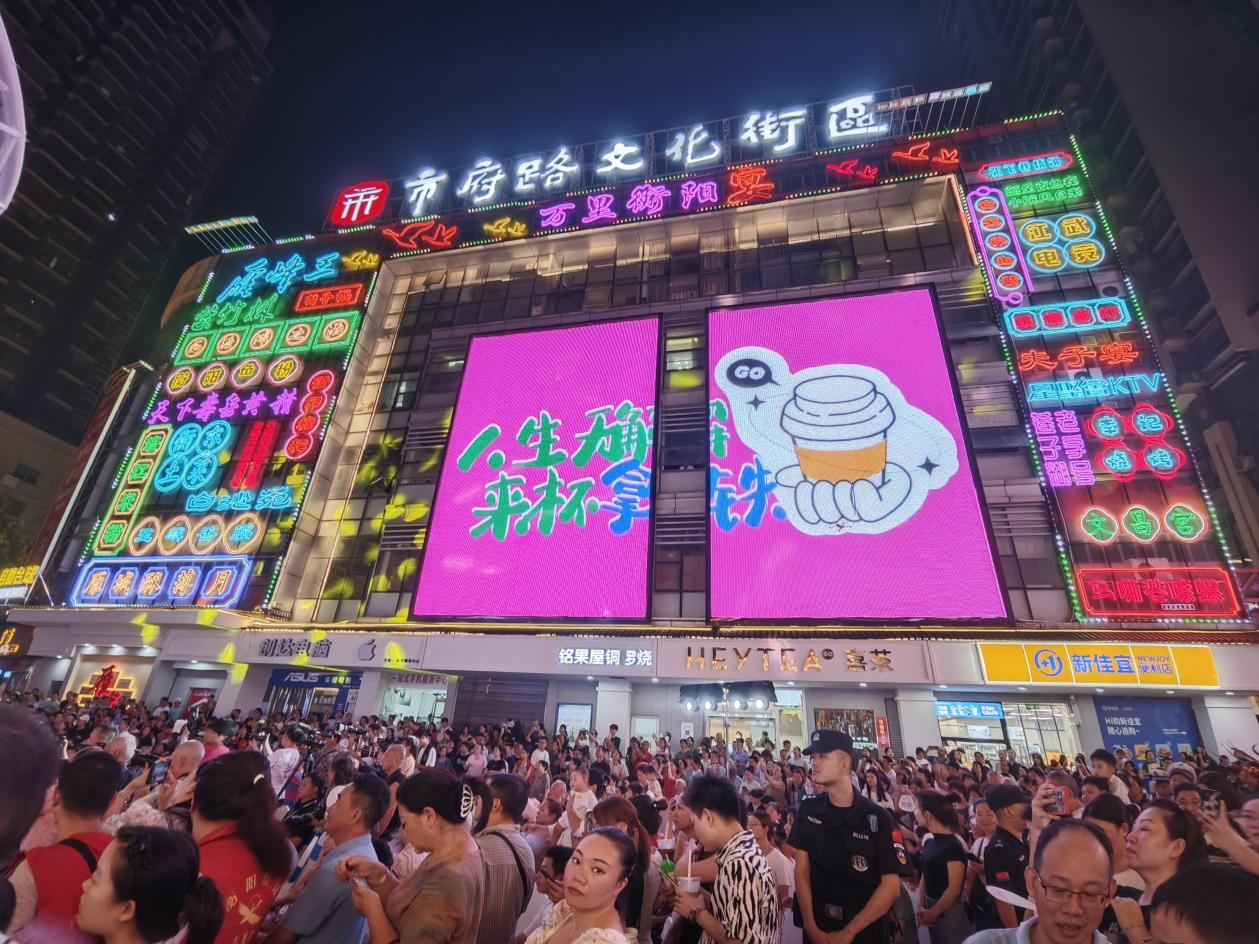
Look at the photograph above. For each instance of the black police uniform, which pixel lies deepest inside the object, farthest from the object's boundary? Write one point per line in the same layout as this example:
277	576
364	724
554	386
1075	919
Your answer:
1004	863
850	849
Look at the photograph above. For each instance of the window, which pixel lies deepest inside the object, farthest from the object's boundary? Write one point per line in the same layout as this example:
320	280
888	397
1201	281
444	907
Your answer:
26	474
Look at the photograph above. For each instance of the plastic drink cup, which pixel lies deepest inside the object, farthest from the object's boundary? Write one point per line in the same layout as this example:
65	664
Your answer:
688	884
839	426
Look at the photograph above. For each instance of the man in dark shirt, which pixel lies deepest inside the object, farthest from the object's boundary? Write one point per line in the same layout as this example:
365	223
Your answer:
1005	859
849	852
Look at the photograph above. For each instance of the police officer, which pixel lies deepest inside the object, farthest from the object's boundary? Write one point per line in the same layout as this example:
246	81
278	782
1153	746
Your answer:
849	852
1005	859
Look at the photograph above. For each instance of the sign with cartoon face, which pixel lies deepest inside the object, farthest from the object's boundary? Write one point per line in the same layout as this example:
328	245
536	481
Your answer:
839	485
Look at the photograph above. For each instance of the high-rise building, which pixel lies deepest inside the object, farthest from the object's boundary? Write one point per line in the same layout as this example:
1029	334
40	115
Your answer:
1161	95
130	110
843	415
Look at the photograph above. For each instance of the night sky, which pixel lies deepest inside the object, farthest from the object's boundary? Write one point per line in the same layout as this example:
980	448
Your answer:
378	89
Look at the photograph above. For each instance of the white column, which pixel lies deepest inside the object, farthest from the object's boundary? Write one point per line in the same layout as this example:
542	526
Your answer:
919	726
244	688
370	694
1226	721
612	706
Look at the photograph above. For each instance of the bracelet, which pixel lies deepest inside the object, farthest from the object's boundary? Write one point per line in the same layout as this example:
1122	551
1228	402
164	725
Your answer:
694	914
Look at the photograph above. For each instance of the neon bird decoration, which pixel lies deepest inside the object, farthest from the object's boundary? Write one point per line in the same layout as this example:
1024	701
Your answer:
429	232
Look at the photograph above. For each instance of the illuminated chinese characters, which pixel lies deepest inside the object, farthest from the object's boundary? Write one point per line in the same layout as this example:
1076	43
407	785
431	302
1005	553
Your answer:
1111	454
217	471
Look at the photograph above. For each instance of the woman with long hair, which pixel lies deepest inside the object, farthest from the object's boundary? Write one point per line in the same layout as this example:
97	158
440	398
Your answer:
943	870
1163	840
146	888
874	788
595	881
441	900
244	849
639	896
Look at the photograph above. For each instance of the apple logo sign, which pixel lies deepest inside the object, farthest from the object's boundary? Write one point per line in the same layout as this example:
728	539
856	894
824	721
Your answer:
367	651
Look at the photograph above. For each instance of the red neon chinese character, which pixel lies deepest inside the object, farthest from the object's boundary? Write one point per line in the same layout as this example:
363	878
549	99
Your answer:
1129	590
945	159
1035	360
1208	590
360	203
844	168
1074	355
1099	588
914	154
316	299
748	184
1156	590
849	169
1180	591
256	455
1117	353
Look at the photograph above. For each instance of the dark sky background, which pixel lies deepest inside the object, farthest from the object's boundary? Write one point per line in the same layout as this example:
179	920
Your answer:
378	89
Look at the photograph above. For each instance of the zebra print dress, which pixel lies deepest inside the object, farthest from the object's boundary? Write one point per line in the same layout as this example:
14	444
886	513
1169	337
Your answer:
744	899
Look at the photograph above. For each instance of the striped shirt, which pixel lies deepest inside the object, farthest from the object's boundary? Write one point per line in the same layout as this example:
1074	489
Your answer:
506	855
744	899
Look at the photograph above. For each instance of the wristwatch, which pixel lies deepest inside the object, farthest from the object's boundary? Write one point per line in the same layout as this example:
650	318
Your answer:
693	916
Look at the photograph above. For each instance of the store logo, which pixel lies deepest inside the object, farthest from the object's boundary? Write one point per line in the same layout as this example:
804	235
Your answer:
1048	662
367	651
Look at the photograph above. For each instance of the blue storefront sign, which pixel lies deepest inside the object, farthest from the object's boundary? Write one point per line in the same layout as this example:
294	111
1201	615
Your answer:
969	709
343	682
1165	726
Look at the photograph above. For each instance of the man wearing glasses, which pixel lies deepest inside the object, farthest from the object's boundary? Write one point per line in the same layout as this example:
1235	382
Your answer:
1070	882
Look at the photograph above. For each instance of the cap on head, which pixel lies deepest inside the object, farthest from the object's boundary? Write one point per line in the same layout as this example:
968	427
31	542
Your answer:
824	741
1005	795
1185	770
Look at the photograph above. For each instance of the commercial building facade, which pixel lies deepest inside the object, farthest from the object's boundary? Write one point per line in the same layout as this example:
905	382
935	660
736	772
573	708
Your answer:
848	417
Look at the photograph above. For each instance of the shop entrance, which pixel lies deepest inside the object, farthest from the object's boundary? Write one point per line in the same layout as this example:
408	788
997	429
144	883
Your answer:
752	726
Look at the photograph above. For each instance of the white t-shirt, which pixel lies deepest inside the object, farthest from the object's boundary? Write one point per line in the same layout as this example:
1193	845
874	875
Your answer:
283	763
784	873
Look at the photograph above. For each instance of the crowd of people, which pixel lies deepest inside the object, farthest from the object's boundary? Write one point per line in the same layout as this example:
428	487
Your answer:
133	823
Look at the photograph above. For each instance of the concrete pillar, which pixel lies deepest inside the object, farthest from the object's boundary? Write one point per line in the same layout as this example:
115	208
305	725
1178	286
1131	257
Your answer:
371	692
612	706
1226	721
917	709
244	689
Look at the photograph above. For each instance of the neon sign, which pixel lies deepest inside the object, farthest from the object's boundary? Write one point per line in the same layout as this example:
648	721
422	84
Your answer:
321	299
1007	270
318	395
360	203
255	455
1181	521
177	581
1077	356
283	274
292	336
1064	453
136	480
1176	591
1026	166
1065	188
748	185
1094	388
1067	317
1054	246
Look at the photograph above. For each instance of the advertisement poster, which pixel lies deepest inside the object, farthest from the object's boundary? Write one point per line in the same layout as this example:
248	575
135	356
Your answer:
839	482
543	508
1165	727
857	723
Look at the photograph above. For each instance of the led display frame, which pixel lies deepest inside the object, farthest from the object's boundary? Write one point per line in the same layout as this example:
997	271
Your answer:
813	389
475	449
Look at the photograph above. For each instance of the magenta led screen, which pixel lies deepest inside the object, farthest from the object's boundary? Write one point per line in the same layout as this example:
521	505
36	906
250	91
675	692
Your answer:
840	487
543	508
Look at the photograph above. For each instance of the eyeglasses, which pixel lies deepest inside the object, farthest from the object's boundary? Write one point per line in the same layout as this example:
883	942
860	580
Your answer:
1060	895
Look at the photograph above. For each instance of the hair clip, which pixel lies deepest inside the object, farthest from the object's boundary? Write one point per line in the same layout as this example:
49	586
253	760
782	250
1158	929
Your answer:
467	802
258	777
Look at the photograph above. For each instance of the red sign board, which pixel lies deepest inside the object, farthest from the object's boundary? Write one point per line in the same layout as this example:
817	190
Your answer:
339	296
1155	592
360	203
882	734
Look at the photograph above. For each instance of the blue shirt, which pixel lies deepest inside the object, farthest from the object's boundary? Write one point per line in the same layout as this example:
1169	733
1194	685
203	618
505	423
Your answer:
323	912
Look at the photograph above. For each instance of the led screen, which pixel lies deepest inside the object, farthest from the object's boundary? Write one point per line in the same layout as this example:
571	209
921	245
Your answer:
839	482
544	503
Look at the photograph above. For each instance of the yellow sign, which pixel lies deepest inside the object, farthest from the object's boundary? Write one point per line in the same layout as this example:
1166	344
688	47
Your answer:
1099	664
22	575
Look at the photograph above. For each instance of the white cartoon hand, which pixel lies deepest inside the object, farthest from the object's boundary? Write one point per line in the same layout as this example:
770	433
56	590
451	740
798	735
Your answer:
833	502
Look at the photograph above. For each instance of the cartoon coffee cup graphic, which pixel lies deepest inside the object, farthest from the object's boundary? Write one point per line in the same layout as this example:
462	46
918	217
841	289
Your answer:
838	424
